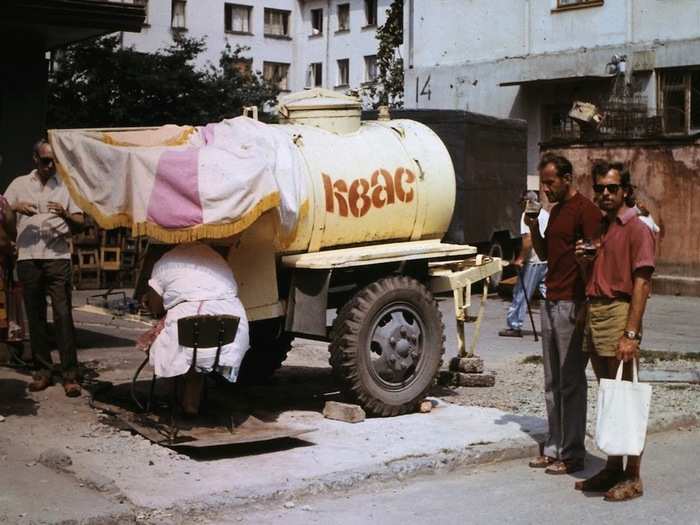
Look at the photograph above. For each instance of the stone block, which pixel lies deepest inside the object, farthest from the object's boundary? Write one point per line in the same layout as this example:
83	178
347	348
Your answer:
343	412
465	379
469	365
425	406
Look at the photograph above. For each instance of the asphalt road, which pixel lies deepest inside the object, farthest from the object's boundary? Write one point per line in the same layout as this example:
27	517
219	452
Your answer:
669	325
506	493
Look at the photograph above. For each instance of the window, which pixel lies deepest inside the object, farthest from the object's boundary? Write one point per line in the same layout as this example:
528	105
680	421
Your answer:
370	68
276	22
679	100
370	12
344	17
237	18
578	3
177	14
343	72
314	75
144	3
557	125
244	66
317	21
277	73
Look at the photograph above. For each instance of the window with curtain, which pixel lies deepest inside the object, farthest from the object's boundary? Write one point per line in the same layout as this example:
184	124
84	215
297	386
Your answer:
343	72
237	18
144	3
344	17
276	22
370	68
317	21
314	75
178	18
277	73
371	12
679	100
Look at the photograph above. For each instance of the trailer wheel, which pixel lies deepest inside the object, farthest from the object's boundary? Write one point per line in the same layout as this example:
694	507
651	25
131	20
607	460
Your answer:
269	345
387	345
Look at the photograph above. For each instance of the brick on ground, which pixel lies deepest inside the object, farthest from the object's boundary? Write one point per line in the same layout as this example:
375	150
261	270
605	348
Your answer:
343	412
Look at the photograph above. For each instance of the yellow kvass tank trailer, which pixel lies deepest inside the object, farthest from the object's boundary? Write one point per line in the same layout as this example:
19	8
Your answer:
382	196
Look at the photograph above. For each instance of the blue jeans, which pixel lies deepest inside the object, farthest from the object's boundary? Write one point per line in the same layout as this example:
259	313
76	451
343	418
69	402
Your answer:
532	278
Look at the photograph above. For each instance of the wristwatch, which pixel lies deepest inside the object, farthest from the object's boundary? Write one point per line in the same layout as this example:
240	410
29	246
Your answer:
631	334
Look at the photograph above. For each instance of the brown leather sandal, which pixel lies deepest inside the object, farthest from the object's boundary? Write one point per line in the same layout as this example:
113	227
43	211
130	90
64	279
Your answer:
601	482
566	466
71	388
625	490
39	383
541	462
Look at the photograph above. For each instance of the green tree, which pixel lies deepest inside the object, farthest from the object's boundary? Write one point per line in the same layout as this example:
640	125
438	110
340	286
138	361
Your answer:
388	89
101	84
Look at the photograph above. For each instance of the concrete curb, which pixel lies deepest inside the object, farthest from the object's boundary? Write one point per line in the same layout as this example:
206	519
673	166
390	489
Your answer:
395	470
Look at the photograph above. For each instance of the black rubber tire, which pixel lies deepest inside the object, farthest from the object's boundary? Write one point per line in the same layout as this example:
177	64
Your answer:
269	345
350	349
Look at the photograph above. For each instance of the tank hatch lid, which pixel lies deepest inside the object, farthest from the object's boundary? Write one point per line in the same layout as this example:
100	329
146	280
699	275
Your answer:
323	109
317	99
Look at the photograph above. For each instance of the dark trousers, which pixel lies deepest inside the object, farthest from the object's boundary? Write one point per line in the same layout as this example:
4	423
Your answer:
39	278
565	385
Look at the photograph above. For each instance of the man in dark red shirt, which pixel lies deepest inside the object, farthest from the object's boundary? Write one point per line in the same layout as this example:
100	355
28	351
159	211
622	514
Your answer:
573	217
619	281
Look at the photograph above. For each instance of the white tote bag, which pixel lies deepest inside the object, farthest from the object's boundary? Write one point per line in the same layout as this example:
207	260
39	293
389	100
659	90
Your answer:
622	415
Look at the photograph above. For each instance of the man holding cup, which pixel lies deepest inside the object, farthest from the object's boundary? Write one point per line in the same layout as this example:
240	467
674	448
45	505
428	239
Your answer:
572	217
619	269
46	217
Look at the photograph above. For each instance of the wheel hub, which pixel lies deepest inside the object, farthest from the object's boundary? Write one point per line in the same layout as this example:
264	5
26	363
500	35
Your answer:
396	343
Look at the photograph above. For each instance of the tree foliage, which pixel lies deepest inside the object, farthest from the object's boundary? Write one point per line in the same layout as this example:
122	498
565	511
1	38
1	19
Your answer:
388	90
101	84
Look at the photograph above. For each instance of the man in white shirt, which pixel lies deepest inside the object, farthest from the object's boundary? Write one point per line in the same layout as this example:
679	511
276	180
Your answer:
531	272
46	217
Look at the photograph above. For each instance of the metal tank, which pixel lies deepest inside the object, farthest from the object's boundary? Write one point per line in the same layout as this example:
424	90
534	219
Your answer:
386	180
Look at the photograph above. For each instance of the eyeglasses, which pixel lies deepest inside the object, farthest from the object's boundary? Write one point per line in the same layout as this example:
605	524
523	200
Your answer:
612	188
46	160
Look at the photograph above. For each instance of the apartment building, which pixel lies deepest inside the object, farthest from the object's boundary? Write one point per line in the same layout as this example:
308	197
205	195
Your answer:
294	43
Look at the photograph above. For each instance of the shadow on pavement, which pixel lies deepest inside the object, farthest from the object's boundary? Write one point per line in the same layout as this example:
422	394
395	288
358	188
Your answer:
15	400
93	339
530	425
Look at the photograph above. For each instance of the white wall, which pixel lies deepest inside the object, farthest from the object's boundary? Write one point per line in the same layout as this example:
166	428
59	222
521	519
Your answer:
449	32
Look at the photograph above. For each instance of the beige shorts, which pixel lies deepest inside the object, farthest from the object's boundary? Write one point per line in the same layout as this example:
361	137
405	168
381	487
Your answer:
605	324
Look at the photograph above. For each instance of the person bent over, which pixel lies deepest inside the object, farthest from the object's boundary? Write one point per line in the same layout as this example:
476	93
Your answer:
193	279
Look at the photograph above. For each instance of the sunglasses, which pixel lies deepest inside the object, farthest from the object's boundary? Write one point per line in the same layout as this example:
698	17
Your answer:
612	188
46	160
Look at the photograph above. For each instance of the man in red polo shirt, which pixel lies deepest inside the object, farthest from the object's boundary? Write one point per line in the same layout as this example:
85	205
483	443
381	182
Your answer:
618	285
573	217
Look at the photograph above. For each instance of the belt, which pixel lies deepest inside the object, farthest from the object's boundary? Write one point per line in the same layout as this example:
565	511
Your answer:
608	300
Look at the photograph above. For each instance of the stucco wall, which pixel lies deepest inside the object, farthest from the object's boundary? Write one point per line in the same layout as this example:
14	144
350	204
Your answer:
667	180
